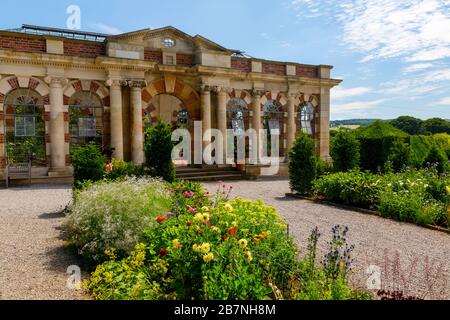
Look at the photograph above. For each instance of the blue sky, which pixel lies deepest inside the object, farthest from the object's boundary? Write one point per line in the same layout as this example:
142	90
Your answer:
393	55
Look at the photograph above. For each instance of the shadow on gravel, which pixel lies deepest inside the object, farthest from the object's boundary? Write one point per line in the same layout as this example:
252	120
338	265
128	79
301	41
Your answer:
52	215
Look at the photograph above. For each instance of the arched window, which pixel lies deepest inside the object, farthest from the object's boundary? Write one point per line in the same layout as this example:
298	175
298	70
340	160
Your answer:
273	120
306	117
85	119
25	126
237	111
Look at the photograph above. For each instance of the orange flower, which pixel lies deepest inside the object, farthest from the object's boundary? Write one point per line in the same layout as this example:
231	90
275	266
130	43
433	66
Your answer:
233	231
160	219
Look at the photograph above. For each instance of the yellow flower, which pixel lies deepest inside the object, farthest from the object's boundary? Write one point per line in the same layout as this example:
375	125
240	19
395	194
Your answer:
176	243
205	248
215	229
198	217
111	254
196	248
243	243
205	209
228	208
208	257
234	224
448	189
249	255
206	216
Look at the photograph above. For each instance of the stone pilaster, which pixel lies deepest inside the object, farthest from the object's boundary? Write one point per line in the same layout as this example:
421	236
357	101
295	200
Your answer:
137	132
116	118
222	94
324	124
206	114
256	122
57	127
291	125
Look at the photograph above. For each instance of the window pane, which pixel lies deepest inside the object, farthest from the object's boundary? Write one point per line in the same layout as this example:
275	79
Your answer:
86	127
25	126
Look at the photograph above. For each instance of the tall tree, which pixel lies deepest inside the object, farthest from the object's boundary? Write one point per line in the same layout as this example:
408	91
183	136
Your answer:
437	125
408	124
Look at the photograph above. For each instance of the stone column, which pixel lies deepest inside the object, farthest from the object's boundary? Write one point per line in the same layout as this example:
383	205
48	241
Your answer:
256	122
291	125
137	132
206	114
116	118
57	132
323	132
222	118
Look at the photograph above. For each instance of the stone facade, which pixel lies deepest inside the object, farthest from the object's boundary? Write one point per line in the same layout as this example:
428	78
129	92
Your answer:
132	75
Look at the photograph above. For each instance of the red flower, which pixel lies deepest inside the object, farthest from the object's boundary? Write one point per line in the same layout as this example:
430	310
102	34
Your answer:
160	219
233	231
163	252
224	237
189	224
199	231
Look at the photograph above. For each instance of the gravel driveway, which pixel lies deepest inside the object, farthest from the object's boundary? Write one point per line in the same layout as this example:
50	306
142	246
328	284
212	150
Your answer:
33	260
412	259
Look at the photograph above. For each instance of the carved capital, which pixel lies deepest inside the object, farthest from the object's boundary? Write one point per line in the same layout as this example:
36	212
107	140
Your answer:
137	83
116	83
206	88
257	93
59	81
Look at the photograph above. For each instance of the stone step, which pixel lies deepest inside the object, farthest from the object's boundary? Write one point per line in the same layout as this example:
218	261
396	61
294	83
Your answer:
230	177
19	181
207	173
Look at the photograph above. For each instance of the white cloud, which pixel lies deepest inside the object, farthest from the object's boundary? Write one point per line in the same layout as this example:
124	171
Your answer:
342	93
444	102
359	105
105	28
417	67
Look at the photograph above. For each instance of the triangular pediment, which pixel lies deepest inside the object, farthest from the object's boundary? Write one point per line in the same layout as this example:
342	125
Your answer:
153	38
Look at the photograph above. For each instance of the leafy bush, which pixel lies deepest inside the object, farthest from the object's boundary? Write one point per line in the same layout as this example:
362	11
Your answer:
344	151
227	250
120	169
399	155
418	196
354	187
88	163
376	142
114	215
158	151
443	140
302	164
437	158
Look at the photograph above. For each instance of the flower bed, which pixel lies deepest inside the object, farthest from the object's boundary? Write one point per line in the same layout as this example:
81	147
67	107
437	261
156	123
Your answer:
213	248
418	196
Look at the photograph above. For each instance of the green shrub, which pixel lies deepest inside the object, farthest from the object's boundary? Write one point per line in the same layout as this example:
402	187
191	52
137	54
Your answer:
443	140
302	164
88	163
420	147
344	151
399	155
376	142
437	158
120	169
158	151
113	215
353	187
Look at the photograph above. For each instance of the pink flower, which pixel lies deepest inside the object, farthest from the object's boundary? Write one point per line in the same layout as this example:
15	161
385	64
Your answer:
192	210
170	214
188	194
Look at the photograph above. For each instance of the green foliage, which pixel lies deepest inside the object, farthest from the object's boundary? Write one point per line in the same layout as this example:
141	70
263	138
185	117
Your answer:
113	215
437	158
302	164
354	187
376	142
418	196
408	124
443	141
437	125
344	151
399	155
420	147
88	163
118	169
158	151
223	251
186	195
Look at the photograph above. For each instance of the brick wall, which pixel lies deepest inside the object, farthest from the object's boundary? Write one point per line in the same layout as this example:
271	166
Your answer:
23	44
84	50
308	72
155	56
185	59
241	64
274	68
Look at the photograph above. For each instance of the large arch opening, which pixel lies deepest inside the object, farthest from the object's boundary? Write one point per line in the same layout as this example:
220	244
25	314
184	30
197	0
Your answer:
25	126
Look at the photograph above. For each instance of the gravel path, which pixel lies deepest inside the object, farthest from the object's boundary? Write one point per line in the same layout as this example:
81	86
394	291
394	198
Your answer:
412	259
33	259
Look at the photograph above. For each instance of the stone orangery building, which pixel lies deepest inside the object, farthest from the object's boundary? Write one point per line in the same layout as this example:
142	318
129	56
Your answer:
62	88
